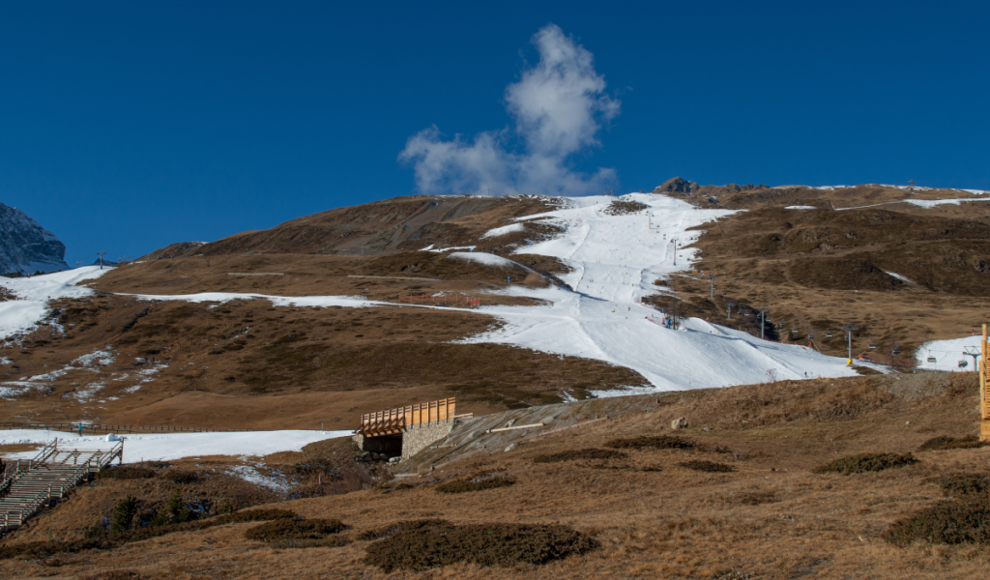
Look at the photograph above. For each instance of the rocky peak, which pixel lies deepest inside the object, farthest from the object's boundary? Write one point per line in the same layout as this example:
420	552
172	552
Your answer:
677	185
25	246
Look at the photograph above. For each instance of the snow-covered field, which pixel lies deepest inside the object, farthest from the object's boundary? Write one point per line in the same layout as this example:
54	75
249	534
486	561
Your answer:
170	446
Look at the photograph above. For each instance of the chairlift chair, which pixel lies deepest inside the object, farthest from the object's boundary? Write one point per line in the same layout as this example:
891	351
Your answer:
895	351
963	364
931	359
828	334
872	345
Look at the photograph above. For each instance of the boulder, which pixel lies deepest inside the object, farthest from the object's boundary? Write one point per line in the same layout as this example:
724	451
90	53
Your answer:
679	423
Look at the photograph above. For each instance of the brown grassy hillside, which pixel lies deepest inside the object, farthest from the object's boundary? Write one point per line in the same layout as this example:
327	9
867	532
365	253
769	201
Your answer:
739	496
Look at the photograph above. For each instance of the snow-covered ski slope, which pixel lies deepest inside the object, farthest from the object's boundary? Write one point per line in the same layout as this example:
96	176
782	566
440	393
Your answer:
33	294
615	261
948	354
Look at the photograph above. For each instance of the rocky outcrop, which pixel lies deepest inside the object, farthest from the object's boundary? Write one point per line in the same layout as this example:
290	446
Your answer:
25	246
683	187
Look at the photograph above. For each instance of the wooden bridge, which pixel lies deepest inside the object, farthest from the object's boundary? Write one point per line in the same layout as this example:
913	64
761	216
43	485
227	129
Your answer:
393	421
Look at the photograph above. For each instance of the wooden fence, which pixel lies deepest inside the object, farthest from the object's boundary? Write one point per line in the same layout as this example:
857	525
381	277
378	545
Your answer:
392	421
444	300
104	429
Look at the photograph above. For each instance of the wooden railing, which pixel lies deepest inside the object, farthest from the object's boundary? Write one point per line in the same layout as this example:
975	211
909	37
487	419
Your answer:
392	421
105	429
92	462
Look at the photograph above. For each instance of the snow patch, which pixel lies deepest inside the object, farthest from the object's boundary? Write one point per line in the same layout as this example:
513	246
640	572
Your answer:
930	203
276	483
483	258
450	249
87	393
504	230
100	358
800	207
898	276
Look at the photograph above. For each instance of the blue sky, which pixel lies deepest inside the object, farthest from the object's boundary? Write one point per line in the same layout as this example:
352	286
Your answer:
127	126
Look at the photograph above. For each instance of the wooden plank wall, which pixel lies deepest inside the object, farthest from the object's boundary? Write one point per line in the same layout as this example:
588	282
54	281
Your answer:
430	412
393	420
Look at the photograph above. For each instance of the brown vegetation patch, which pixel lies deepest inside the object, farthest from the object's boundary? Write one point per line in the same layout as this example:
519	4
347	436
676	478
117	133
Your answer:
179	475
965	484
618	207
126	472
475	484
944	442
757	498
947	522
118	575
867	462
707	466
574	454
296	533
407	526
483	544
36	550
651	442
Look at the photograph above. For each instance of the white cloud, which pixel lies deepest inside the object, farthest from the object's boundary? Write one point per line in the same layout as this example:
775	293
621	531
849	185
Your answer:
558	107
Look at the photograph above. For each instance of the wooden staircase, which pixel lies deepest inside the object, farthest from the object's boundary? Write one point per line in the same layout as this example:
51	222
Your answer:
29	485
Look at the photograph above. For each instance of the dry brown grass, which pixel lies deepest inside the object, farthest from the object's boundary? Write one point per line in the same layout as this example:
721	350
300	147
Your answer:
773	518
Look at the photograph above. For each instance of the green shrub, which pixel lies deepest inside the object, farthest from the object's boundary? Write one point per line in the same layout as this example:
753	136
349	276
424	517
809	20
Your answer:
123	514
651	442
709	466
172	512
943	442
866	462
477	484
574	454
484	544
